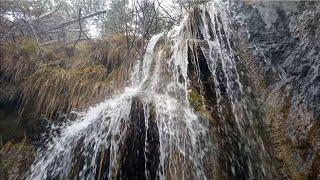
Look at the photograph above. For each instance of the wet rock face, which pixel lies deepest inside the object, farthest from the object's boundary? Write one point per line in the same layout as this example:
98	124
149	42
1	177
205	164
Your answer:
133	163
221	94
279	43
231	143
140	155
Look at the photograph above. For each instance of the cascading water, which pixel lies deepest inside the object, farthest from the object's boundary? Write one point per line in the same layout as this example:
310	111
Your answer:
151	132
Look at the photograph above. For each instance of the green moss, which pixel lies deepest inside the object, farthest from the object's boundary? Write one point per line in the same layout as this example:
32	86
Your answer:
28	47
15	160
50	54
196	101
24	48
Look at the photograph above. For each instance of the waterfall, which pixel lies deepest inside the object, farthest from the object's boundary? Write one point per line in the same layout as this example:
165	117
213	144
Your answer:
151	130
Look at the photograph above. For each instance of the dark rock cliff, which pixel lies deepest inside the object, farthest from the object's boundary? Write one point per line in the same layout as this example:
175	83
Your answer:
279	45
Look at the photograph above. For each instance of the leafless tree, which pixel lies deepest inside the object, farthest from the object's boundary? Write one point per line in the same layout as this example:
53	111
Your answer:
46	26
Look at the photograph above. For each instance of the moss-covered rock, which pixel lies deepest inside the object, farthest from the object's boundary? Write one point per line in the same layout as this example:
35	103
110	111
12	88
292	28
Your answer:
15	160
196	101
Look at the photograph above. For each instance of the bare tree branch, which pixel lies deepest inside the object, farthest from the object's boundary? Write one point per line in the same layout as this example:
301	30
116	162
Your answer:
80	29
74	21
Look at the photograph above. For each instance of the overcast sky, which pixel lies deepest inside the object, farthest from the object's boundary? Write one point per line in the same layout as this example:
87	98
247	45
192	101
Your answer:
94	30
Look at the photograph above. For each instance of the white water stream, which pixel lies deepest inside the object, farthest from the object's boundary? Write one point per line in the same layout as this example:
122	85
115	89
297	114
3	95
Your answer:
172	141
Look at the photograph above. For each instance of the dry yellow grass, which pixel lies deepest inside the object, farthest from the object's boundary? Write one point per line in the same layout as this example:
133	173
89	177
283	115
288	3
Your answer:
58	80
17	59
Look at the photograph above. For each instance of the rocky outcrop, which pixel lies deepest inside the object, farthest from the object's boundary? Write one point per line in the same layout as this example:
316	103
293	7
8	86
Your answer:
223	95
279	47
15	160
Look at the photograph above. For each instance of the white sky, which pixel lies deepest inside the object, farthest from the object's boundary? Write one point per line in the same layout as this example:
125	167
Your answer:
94	30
